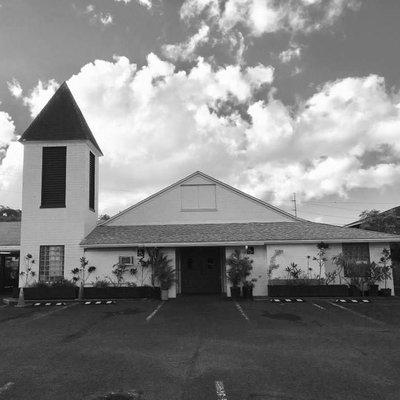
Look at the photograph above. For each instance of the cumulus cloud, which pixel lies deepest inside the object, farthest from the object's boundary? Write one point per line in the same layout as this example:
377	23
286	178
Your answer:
10	162
185	50
155	124
15	88
266	16
39	96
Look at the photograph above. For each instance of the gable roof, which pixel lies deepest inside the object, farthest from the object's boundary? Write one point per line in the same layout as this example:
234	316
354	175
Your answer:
60	119
10	233
230	233
210	178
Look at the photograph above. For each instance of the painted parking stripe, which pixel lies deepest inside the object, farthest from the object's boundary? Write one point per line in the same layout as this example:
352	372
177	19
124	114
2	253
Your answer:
219	388
240	309
318	306
6	387
357	313
149	317
58	309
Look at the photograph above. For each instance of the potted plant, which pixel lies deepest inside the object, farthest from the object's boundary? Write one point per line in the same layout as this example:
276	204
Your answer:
163	273
239	269
386	268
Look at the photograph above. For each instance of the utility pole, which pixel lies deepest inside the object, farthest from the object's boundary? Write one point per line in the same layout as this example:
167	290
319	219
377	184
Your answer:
294	204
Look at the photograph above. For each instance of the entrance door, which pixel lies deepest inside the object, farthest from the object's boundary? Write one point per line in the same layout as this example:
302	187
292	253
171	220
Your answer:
9	266
200	270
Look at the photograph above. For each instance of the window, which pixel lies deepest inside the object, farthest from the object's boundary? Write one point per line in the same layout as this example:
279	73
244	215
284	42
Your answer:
126	260
51	263
92	178
357	253
54	163
198	197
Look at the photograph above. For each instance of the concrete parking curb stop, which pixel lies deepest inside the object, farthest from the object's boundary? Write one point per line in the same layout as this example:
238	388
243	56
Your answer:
288	300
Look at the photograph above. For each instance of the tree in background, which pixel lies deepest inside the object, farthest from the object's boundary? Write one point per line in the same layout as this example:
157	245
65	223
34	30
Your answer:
9	214
103	217
387	221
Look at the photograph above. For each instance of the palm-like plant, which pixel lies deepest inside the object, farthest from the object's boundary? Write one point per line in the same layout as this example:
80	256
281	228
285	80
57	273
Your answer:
161	270
239	267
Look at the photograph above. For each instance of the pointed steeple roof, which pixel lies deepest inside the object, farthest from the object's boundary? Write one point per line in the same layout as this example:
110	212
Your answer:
60	119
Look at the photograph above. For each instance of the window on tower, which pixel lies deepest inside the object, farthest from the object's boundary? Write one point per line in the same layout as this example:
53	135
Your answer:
92	180
54	165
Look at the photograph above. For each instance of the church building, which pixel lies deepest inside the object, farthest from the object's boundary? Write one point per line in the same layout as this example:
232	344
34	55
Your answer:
197	222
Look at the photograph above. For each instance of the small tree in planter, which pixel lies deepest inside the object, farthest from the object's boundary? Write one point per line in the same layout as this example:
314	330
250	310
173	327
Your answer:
29	274
320	258
82	274
239	269
386	268
340	261
273	265
119	271
330	277
294	272
375	276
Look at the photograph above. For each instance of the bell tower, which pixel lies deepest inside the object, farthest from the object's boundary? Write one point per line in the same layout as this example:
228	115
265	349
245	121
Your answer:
60	187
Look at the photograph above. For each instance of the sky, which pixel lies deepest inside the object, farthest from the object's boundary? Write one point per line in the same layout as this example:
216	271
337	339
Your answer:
272	97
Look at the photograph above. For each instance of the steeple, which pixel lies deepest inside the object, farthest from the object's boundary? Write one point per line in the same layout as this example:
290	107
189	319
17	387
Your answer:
60	119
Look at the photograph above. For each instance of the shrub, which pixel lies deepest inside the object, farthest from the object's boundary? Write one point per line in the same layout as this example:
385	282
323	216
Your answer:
101	283
63	283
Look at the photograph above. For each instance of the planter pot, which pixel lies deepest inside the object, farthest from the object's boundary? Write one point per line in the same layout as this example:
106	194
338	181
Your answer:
123	292
247	292
164	294
235	292
50	293
373	290
308	291
385	292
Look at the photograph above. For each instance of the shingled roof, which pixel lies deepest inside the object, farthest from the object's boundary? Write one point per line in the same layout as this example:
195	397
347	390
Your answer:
108	236
60	119
10	234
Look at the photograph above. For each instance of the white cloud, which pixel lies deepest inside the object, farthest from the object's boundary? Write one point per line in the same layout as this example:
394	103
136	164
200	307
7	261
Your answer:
15	88
145	3
95	17
292	53
156	124
185	50
10	162
40	95
266	16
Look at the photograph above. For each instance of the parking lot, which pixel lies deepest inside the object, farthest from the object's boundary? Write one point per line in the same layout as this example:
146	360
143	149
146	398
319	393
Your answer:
202	348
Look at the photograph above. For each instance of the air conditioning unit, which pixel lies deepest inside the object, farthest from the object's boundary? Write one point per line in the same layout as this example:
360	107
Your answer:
126	260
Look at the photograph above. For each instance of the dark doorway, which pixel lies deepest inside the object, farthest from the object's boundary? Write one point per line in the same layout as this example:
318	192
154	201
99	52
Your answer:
200	270
9	271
